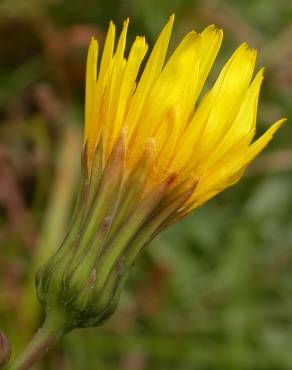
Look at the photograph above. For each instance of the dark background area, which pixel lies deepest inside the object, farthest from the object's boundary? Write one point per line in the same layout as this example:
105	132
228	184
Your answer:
214	292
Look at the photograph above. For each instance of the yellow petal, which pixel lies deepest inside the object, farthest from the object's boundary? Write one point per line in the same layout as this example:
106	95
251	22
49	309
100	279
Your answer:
113	91
91	72
217	109
128	83
149	75
209	44
178	78
242	129
222	175
106	59
103	78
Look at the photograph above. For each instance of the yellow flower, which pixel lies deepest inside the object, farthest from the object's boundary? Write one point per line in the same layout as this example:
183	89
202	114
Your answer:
207	141
154	150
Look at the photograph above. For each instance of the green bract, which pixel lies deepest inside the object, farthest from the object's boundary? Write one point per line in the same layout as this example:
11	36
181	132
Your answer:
83	280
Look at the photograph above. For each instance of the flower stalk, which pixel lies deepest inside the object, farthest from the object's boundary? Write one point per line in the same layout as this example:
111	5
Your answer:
50	332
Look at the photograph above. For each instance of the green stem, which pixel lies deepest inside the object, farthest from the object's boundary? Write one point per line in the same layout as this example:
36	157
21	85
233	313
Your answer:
51	331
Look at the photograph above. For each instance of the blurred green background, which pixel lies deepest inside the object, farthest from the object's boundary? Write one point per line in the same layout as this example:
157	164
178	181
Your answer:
213	292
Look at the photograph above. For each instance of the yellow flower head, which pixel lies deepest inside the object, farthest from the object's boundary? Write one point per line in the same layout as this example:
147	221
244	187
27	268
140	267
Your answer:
152	153
207	141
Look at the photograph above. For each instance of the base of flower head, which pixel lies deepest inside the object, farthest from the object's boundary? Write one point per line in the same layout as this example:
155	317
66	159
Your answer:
114	219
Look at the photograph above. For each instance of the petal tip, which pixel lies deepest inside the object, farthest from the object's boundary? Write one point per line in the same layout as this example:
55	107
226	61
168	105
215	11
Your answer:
171	18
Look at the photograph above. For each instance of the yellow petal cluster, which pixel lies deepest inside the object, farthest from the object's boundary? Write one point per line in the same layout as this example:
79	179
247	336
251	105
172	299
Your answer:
207	140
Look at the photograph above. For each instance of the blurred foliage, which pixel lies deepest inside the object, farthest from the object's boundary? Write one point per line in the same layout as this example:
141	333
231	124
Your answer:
214	291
